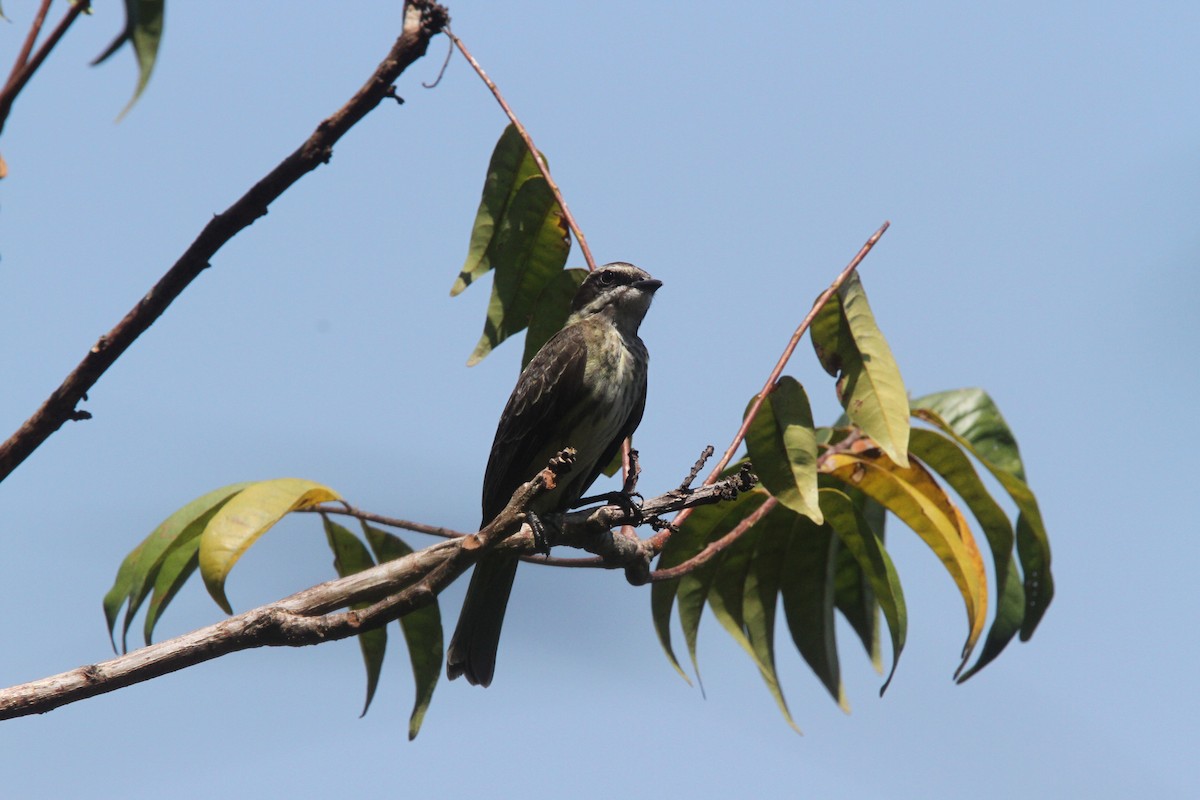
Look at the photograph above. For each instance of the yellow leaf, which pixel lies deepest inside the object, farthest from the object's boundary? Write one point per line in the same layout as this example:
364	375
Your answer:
915	497
246	517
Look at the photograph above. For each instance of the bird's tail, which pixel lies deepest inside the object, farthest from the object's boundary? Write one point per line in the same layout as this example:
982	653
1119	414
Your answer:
473	647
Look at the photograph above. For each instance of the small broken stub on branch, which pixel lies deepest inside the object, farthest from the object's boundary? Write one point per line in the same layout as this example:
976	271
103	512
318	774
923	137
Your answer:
560	465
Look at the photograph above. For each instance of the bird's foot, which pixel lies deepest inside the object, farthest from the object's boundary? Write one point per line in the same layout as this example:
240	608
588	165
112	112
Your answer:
630	503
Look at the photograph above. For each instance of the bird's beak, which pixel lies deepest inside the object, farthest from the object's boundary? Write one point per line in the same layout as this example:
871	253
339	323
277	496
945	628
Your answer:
649	285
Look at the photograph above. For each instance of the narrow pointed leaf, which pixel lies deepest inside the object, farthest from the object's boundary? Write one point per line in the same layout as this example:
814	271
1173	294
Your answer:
249	515
143	29
945	457
706	524
551	310
761	598
851	347
854	598
137	572
782	445
807	586
860	541
177	566
422	629
530	250
974	420
510	166
350	555
913	496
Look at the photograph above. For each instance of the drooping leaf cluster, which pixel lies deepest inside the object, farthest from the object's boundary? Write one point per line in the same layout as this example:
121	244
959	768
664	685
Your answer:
213	531
810	540
520	234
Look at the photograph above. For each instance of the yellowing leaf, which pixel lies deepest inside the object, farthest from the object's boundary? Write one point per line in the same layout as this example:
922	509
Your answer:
947	459
782	446
246	517
138	572
912	495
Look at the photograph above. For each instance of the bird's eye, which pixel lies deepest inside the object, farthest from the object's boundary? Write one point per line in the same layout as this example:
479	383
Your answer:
607	278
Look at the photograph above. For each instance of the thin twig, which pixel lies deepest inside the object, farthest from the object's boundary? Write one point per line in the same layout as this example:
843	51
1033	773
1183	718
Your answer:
660	539
715	547
423	20
30	40
537	156
347	510
19	77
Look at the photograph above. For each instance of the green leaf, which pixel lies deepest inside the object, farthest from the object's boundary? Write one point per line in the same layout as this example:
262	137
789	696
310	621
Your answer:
974	421
807	587
531	249
422	631
247	516
782	446
947	459
853	596
705	524
862	543
510	166
912	495
177	566
761	597
551	310
350	555
851	347
143	29
728	595
137	572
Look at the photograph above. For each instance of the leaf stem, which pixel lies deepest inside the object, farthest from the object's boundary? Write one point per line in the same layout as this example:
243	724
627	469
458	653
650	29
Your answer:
537	156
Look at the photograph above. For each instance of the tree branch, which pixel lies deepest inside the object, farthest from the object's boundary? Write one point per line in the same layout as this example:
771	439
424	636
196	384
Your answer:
393	588
423	19
308	617
24	67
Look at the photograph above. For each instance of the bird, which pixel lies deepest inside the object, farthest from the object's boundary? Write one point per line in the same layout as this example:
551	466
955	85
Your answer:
586	389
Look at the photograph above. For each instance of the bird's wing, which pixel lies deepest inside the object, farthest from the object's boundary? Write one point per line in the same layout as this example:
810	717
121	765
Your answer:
546	394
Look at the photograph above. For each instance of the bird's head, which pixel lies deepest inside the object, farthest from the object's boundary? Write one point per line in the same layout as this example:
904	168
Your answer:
619	290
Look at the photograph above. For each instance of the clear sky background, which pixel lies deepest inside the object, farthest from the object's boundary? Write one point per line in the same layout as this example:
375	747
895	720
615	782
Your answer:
1038	163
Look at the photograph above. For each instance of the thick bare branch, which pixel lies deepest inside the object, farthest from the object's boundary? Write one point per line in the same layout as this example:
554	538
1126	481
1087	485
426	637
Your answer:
423	19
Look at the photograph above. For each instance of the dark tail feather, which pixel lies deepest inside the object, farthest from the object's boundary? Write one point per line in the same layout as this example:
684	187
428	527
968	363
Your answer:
473	647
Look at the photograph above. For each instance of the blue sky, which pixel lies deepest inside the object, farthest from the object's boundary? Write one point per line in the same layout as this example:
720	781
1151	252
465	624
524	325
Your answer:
1038	164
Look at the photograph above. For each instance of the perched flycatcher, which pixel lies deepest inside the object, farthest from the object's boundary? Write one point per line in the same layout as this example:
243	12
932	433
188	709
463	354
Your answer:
586	389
